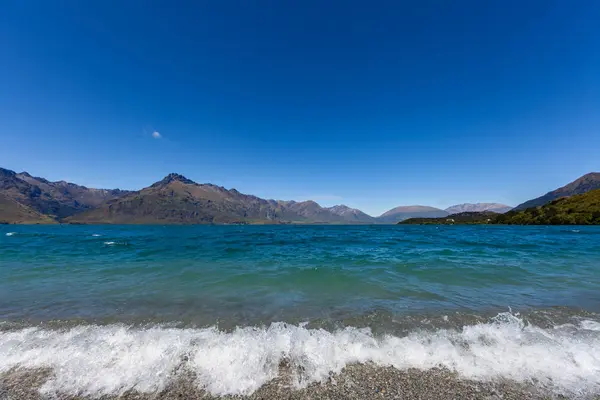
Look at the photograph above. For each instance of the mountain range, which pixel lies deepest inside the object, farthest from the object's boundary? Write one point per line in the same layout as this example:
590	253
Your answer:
478	207
178	200
172	200
50	200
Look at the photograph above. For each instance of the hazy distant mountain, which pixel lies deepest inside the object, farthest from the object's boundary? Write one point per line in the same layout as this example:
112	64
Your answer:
478	207
401	213
311	211
178	200
55	199
351	214
581	185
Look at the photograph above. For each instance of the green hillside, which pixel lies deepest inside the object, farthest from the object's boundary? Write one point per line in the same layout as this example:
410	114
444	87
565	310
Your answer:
581	209
468	217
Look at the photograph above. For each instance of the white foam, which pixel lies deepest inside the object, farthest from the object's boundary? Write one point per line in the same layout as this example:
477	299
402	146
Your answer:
96	235
11	233
101	360
109	243
591	325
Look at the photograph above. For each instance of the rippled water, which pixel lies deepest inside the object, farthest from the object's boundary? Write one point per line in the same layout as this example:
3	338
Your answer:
280	273
231	302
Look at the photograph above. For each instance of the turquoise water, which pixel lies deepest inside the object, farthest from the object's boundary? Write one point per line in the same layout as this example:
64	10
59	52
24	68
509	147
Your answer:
132	304
280	273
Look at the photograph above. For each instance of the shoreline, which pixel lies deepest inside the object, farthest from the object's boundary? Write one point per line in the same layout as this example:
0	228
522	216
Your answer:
356	381
504	358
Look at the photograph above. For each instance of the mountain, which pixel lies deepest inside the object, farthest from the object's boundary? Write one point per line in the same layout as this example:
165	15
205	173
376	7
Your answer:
79	197
351	214
311	211
584	184
579	209
401	213
12	212
467	217
55	199
179	200
478	207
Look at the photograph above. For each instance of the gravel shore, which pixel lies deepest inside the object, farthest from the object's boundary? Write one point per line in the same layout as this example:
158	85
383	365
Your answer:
361	381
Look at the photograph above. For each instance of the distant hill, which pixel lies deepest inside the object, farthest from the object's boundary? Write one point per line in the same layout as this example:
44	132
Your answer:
351	214
468	217
581	185
178	200
54	199
12	212
479	207
579	209
401	213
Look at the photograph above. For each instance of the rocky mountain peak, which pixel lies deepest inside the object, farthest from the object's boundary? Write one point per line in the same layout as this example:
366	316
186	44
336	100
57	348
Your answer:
174	177
7	173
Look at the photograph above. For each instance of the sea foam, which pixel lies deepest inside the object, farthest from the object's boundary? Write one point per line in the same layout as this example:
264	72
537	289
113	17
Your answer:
11	233
100	360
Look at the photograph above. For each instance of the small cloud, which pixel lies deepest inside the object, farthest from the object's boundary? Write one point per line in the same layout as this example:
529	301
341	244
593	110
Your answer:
156	135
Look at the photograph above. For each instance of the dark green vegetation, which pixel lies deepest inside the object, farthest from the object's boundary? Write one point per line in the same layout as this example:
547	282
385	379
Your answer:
580	209
584	184
468	217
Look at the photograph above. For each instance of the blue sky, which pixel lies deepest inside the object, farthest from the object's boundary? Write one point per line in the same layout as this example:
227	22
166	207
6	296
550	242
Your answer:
371	104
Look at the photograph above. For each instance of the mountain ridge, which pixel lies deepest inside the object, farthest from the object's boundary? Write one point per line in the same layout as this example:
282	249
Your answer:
56	200
583	184
12	212
178	200
578	209
478	207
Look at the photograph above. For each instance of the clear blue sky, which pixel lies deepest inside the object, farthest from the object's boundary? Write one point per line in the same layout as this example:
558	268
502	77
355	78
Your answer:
367	103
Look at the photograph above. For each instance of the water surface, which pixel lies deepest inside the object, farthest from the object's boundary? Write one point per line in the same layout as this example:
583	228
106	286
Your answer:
227	301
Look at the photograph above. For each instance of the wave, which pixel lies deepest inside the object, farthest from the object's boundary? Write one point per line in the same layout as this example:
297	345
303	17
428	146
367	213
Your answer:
115	243
97	360
11	233
96	235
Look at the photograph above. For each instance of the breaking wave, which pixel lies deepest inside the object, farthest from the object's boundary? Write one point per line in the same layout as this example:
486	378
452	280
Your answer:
109	360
